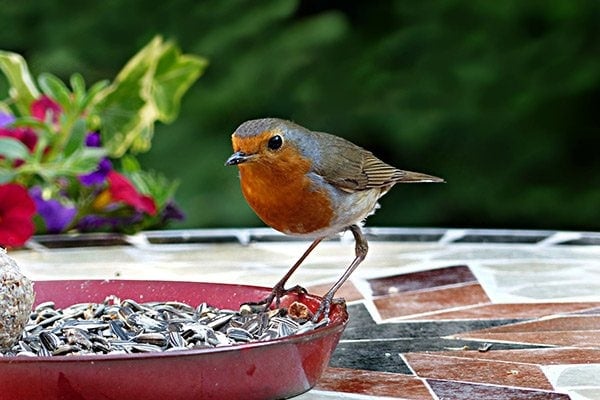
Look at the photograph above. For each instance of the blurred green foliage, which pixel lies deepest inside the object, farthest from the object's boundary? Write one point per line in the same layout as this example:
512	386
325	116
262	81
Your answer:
499	98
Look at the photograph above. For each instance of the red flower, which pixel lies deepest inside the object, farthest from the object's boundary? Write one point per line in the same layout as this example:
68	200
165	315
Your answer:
44	105
16	213
25	135
121	190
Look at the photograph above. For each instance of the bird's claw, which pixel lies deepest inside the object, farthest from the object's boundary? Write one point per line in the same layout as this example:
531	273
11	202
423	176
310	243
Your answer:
325	307
276	294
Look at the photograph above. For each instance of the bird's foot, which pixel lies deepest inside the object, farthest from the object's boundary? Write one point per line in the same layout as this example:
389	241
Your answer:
325	306
276	294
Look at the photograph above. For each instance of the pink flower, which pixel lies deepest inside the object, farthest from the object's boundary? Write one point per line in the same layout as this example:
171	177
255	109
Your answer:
25	135
16	213
43	106
123	191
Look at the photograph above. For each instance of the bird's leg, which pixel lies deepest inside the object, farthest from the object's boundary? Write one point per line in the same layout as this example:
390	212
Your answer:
279	289
361	248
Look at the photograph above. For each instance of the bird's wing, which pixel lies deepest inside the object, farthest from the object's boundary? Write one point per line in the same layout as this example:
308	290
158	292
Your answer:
351	168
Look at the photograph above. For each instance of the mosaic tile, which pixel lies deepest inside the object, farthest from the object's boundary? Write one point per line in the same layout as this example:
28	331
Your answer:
593	311
538	356
429	305
450	390
574	376
562	338
576	331
348	291
373	383
588	290
467	252
565	323
421	280
316	394
363	327
585	394
521	311
411	303
427	365
383	356
502	238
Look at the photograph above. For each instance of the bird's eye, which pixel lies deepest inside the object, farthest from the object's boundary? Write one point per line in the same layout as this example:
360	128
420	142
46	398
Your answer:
275	142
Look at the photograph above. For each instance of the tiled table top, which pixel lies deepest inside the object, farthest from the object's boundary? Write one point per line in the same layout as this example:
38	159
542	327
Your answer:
434	314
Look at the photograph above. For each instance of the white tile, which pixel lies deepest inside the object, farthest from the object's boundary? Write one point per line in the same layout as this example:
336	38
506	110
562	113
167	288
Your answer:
580	381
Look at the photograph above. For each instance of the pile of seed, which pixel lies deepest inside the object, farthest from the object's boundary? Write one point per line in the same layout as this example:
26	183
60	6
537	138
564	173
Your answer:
118	326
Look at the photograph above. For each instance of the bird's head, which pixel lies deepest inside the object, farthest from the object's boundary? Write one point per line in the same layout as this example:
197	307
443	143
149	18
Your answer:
265	141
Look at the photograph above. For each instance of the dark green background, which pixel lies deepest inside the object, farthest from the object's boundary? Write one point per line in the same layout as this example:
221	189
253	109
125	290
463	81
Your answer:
501	98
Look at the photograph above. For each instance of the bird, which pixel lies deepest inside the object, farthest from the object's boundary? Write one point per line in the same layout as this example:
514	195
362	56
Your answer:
313	185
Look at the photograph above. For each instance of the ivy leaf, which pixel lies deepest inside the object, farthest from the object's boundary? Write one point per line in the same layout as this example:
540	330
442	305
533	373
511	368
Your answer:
13	149
23	90
175	73
148	89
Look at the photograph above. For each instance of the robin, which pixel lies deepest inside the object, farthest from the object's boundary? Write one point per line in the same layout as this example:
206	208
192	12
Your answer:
313	185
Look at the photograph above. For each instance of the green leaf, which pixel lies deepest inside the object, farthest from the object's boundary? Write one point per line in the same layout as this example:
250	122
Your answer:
155	185
129	164
23	90
13	149
83	160
78	84
30	122
77	137
55	89
6	175
175	73
148	89
5	108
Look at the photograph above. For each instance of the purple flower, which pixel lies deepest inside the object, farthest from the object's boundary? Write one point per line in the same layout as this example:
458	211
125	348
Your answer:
97	176
90	223
93	139
56	216
6	119
172	212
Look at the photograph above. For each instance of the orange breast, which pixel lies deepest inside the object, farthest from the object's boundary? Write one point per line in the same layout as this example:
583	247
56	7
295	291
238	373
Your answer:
283	196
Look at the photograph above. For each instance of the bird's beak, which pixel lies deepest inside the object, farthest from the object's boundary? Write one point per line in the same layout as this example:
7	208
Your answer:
237	158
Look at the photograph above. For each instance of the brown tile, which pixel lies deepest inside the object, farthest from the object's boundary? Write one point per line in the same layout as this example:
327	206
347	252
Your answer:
574	330
450	390
551	356
592	311
558	324
373	383
560	338
421	280
435	366
405	304
348	291
510	311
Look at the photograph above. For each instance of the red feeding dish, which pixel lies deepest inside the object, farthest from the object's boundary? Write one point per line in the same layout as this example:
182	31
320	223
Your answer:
274	369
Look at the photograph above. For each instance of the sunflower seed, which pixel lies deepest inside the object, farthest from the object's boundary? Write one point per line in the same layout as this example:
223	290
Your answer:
117	326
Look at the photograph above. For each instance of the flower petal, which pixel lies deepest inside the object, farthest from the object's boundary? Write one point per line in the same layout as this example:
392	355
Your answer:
99	175
57	217
44	105
16	212
123	190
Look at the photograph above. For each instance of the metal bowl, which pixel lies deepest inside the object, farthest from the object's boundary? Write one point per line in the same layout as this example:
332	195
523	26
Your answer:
274	369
